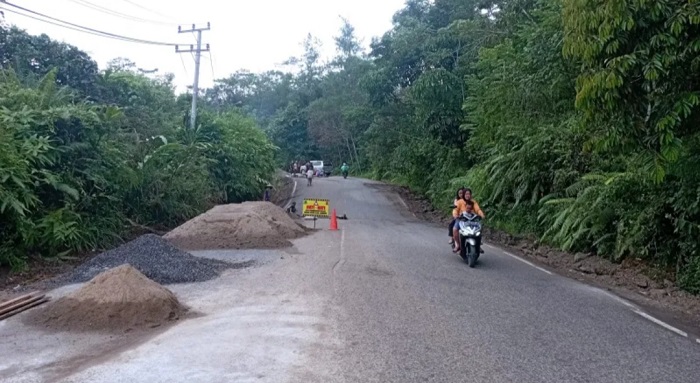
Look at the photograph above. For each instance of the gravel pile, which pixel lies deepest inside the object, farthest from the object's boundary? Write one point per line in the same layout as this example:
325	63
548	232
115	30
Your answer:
157	259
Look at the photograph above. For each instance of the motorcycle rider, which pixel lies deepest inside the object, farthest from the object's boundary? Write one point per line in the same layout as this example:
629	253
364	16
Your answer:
468	209
344	169
465	205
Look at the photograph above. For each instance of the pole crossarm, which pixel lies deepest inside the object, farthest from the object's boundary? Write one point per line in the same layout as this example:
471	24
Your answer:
192	48
193	28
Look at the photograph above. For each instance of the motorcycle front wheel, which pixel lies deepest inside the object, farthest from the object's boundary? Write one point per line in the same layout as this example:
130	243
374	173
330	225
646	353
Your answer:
472	256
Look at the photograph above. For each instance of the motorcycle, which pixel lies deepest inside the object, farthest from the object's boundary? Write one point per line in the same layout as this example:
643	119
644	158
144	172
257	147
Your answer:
345	174
469	227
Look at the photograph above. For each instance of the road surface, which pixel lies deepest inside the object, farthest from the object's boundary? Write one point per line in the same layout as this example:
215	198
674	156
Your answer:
413	312
381	300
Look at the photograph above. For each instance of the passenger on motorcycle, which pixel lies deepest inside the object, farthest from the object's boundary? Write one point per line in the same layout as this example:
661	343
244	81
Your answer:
455	214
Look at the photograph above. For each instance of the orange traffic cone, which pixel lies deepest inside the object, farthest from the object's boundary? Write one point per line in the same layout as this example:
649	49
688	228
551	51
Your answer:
334	221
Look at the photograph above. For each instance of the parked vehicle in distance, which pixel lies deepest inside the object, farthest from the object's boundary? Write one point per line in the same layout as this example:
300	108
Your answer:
321	168
327	169
318	166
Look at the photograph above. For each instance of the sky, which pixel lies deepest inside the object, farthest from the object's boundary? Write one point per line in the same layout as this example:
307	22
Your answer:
255	35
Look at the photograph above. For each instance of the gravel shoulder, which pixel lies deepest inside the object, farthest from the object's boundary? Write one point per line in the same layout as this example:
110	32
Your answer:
632	279
254	324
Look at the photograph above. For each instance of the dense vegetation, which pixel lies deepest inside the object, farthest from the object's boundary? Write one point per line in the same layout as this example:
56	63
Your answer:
573	120
86	156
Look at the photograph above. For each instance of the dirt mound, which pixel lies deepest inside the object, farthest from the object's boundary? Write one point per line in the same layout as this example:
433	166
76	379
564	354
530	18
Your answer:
250	225
119	299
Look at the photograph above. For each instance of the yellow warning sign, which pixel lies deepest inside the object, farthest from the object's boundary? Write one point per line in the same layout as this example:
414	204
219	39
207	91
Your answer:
316	208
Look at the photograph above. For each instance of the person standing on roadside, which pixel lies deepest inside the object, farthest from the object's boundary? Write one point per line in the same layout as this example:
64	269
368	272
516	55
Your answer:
309	176
266	196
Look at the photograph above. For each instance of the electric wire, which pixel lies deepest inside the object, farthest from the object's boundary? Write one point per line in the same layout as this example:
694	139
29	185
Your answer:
148	9
81	28
112	12
211	63
184	67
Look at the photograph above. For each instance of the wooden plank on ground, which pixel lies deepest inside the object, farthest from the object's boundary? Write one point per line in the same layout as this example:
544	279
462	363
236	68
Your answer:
18	310
17	300
20	304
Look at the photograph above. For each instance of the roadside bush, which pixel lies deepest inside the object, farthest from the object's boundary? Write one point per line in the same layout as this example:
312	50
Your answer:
78	175
689	277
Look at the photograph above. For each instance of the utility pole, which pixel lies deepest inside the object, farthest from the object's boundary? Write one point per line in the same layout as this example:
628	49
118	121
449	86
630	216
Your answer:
197	57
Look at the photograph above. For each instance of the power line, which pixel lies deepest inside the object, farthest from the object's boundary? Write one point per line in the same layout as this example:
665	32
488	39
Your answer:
117	13
147	9
82	28
38	19
53	23
183	65
211	64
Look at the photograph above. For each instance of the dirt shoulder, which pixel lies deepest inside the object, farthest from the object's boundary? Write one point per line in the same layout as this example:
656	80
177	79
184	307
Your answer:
633	279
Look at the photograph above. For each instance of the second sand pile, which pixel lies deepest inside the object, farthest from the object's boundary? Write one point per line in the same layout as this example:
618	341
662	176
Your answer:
117	300
249	225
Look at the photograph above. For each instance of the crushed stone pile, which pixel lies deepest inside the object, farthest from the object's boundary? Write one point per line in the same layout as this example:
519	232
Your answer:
117	300
157	259
249	225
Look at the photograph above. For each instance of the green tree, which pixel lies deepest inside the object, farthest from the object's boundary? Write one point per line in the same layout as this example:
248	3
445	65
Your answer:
86	157
32	57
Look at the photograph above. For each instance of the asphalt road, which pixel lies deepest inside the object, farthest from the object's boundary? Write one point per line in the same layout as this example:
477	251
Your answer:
405	309
381	300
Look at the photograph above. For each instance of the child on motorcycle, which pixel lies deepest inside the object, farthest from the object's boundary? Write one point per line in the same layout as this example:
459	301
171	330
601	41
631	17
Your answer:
468	197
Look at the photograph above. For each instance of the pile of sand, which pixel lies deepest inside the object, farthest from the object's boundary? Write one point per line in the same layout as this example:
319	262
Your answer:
250	225
119	299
